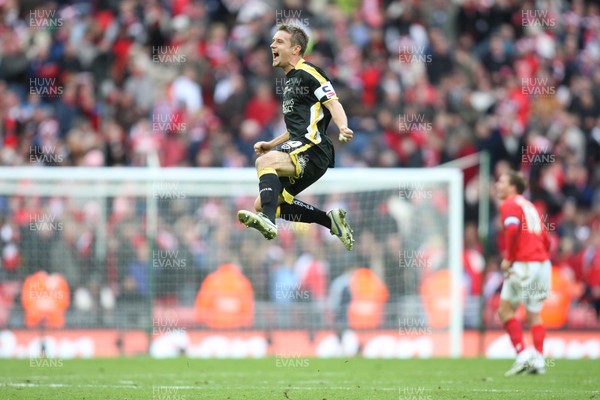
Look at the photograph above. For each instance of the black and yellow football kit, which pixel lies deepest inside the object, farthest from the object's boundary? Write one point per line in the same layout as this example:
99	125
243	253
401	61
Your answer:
307	90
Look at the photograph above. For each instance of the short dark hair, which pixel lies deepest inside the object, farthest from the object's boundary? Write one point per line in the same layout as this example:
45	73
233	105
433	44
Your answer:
517	180
299	37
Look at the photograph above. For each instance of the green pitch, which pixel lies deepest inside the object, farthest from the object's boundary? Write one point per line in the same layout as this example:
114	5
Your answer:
291	379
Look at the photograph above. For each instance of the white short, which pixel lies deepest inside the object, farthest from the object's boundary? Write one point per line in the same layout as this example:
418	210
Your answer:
529	282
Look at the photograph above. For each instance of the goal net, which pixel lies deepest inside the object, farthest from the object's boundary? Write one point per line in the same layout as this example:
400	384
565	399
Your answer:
160	252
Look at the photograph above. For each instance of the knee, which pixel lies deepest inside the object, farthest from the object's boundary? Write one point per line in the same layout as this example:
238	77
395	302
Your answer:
258	163
533	319
505	312
500	313
264	161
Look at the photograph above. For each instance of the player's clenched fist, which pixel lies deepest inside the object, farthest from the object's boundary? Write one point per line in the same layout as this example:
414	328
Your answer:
261	148
346	134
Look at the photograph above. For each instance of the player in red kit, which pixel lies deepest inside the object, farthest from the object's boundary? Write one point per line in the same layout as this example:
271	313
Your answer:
527	271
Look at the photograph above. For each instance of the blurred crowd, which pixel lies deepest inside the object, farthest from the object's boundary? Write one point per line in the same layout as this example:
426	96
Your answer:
106	83
116	274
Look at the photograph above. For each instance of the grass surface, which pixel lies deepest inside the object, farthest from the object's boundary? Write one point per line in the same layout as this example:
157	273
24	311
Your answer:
292	379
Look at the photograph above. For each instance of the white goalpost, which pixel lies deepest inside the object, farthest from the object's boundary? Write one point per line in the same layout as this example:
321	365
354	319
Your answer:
408	227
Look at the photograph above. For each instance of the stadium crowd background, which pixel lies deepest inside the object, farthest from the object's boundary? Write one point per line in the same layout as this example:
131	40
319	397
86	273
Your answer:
103	83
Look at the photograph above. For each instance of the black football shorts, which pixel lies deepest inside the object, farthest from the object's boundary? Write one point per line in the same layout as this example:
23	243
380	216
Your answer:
311	162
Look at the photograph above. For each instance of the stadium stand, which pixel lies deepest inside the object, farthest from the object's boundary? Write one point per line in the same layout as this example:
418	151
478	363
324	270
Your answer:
193	80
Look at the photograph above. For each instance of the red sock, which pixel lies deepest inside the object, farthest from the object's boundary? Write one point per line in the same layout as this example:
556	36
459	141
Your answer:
538	333
513	328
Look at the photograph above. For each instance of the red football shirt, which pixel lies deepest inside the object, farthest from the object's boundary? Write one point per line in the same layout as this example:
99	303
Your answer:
525	235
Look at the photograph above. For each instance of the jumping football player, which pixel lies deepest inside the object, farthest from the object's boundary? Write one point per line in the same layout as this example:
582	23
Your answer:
297	158
527	271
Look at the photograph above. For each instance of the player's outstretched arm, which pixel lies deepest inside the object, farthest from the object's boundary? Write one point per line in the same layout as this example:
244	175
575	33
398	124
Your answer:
261	148
341	120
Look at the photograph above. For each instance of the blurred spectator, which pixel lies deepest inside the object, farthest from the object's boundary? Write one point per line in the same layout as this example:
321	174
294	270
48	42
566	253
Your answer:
368	295
474	263
139	270
588	266
225	299
64	257
340	297
284	284
311	272
263	107
45	298
186	92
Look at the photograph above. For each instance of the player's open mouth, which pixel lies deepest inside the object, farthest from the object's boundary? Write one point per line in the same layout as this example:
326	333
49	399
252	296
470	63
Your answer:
275	56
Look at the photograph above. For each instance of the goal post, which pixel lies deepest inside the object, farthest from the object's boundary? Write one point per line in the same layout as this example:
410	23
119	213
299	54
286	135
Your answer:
179	224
